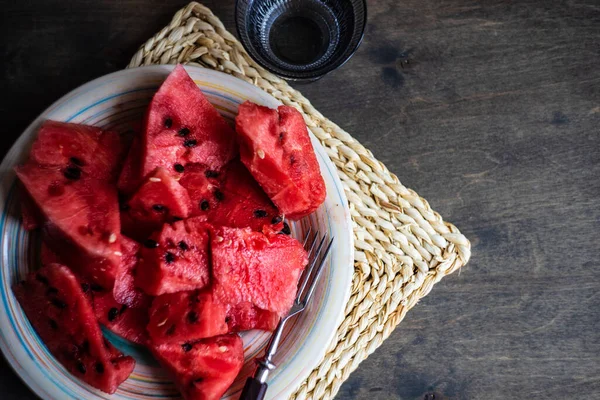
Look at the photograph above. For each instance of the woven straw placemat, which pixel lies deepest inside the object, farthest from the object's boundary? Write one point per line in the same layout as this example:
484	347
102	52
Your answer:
402	246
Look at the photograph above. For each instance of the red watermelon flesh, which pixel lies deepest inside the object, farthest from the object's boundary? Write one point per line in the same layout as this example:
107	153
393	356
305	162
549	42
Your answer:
160	199
183	127
175	259
203	370
63	318
262	269
81	220
246	316
125	292
185	317
129	323
130	178
96	153
276	148
230	197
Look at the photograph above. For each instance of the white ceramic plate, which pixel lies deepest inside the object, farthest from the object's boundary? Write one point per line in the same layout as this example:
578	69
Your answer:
117	101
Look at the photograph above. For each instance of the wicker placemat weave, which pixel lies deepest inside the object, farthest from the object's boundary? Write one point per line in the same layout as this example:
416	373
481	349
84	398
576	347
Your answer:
403	247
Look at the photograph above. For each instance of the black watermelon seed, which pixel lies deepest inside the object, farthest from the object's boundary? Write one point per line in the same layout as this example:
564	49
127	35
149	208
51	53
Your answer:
198	380
175	219
51	291
183	132
186	347
123	309
281	137
53	324
286	229
151	244
168	123
85	346
96	288
183	245
260	213
124	207
192	317
85	287
159	208
219	195
204	205
190	143
169	257
227	320
211	174
276	219
76	161
170	331
41	278
99	367
72	173
112	314
179	167
58	303
81	367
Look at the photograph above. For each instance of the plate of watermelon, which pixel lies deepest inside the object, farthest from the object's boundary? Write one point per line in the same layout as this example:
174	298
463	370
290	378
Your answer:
151	227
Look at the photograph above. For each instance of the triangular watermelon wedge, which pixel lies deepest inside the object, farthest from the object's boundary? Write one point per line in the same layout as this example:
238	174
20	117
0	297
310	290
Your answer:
81	220
203	370
183	127
56	306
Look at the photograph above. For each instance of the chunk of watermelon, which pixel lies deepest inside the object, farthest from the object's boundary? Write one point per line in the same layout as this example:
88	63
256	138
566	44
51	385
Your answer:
276	148
81	220
262	269
229	198
175	259
160	199
129	323
185	317
203	370
125	291
79	150
183	127
63	318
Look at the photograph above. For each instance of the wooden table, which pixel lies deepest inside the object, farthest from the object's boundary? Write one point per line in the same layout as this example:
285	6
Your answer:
489	109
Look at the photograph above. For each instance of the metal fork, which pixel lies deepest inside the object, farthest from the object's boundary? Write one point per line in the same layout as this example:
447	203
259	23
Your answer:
256	385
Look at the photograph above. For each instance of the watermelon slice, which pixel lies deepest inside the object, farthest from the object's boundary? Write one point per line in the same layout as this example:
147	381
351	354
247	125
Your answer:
262	269
183	127
160	199
203	370
63	318
125	292
175	259
129	323
81	220
276	148
80	150
130	179
229	198
186	316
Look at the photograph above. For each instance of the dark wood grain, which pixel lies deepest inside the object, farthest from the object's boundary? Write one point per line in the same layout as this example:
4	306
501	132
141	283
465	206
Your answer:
489	109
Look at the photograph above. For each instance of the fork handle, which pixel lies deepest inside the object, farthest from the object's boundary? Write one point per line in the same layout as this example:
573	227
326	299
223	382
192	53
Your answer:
253	390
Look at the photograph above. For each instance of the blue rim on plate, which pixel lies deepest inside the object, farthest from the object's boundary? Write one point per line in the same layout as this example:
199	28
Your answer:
116	101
